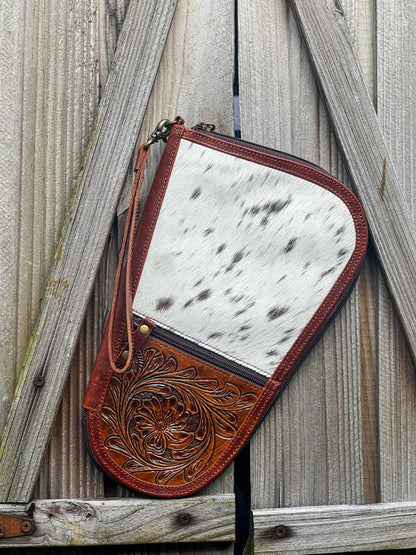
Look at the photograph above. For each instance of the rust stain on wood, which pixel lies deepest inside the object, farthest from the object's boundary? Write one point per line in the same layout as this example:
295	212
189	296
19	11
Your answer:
383	179
60	287
59	251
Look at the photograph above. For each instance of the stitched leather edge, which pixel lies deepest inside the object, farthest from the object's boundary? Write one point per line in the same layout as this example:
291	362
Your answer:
294	355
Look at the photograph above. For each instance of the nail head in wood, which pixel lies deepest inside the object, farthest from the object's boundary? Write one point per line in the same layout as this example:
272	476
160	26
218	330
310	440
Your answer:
26	527
280	531
39	381
184	519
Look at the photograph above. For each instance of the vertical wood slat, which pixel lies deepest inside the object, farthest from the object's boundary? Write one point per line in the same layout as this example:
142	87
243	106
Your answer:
46	71
33	411
12	21
59	94
396	84
360	18
308	449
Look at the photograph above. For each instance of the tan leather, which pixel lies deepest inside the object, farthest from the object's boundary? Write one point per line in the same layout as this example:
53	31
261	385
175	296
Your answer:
168	419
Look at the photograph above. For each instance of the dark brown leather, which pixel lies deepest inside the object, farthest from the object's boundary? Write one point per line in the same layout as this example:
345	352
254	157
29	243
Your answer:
161	409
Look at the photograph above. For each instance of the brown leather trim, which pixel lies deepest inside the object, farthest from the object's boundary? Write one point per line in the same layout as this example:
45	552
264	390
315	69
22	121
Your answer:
102	372
299	348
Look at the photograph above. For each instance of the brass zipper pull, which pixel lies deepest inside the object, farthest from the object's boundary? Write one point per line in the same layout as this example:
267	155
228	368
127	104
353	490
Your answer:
161	131
204	126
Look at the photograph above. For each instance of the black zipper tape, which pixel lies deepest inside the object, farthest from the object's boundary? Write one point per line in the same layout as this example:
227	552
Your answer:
204	354
260	148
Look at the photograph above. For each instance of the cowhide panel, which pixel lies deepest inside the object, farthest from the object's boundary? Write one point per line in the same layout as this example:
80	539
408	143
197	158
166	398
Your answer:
242	255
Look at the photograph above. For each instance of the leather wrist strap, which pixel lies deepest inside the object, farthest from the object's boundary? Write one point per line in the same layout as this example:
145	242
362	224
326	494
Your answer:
124	277
124	270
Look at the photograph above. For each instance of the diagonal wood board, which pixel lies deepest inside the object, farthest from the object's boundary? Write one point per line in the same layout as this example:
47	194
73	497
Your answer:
81	246
360	138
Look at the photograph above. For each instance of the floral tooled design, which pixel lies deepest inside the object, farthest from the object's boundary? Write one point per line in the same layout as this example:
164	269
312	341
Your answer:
170	421
162	423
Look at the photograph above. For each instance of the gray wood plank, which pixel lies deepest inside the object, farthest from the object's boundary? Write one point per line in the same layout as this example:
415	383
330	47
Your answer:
396	82
71	522
93	205
336	528
308	450
51	117
10	112
361	139
360	18
67	470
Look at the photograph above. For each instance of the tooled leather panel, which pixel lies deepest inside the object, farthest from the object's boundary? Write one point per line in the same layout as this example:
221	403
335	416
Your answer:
169	417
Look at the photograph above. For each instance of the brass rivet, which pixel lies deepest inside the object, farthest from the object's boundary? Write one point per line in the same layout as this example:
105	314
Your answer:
144	329
125	355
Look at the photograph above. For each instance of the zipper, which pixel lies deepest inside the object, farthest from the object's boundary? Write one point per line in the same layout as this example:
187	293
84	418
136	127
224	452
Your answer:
209	128
203	354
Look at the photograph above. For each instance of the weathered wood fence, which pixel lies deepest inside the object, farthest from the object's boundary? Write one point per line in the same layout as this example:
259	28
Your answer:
82	82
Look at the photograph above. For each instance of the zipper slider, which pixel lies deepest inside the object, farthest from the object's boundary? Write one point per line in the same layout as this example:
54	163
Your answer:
203	126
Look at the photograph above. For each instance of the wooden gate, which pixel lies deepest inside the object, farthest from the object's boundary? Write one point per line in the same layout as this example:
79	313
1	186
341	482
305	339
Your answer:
331	468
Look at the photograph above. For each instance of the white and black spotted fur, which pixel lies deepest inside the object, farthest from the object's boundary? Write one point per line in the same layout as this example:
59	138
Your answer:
242	255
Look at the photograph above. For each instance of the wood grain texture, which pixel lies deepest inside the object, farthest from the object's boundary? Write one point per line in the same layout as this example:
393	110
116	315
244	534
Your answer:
122	107
396	55
335	529
360	18
41	48
11	45
59	92
67	470
308	449
362	142
70	522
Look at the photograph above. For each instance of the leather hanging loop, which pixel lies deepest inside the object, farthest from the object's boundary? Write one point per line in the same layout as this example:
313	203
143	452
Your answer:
124	269
126	249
